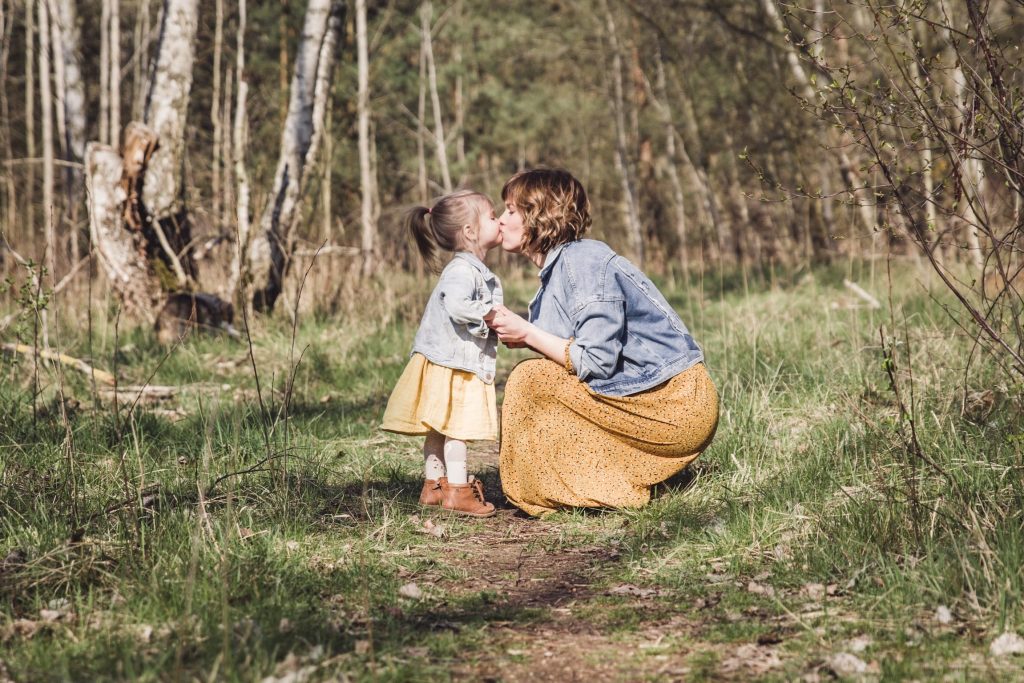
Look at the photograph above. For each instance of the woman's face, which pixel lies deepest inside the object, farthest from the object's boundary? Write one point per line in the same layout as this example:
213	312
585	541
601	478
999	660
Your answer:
512	230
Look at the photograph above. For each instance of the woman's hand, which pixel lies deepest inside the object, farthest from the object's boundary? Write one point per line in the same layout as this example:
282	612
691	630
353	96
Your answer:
512	329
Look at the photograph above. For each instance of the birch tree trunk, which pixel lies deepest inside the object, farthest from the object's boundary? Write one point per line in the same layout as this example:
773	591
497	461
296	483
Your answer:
215	120
623	166
30	109
71	102
46	105
120	252
678	201
167	107
971	174
115	72
140	223
421	114
366	178
6	30
140	67
426	14
105	72
300	138
240	135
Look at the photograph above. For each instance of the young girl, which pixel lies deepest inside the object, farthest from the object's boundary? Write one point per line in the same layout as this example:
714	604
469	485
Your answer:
446	391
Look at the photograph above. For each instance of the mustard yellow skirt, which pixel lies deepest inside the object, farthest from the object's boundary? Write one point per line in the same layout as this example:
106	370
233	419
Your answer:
430	397
562	445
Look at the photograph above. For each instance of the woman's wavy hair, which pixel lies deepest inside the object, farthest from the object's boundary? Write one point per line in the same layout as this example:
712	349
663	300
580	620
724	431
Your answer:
554	206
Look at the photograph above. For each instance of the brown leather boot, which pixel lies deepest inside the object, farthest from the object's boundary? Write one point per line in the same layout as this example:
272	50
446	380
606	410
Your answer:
431	493
465	499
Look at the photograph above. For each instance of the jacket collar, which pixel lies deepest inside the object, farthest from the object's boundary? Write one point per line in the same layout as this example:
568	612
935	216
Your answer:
549	260
476	263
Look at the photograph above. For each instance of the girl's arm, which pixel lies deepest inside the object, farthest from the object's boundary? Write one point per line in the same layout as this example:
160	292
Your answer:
457	290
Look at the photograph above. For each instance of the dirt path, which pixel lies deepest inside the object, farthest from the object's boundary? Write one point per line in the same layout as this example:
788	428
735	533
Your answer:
552	591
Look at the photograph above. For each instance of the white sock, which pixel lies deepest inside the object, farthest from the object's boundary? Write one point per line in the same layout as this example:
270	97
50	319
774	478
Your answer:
433	456
455	461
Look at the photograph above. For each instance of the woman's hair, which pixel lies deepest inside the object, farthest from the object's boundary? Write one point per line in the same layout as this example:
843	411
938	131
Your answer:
440	227
554	206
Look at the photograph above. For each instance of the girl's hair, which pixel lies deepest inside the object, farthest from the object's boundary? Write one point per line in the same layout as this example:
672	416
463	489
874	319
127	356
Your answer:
554	206
440	227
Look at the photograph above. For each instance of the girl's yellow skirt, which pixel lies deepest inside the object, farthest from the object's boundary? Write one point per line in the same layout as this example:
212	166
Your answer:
562	445
430	397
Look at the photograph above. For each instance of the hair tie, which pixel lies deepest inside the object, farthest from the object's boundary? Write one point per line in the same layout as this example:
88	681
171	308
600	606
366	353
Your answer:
429	210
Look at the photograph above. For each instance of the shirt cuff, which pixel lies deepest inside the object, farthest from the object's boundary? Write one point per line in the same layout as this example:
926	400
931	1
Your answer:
479	329
576	356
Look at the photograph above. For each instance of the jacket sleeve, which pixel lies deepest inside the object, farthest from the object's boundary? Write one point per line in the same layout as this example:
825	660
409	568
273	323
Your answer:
599	330
457	288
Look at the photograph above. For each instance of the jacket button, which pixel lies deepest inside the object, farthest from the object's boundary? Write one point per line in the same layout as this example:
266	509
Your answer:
488	377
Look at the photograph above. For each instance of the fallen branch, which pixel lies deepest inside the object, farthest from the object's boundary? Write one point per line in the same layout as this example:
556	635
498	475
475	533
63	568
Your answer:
64	359
859	291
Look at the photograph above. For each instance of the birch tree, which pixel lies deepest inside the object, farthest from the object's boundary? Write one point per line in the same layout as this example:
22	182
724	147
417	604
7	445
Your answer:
623	166
46	104
240	133
366	175
303	128
137	215
426	14
70	90
115	71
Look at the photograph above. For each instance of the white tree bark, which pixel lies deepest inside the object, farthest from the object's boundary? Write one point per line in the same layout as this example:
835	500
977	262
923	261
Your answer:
46	104
30	107
167	106
426	12
631	213
120	256
115	72
241	136
303	128
368	242
678	201
105	72
421	114
215	118
70	107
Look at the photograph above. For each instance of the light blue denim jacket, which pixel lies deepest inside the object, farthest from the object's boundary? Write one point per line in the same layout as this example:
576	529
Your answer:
452	332
628	338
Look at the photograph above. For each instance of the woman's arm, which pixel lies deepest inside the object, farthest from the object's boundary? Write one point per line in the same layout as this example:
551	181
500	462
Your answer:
514	331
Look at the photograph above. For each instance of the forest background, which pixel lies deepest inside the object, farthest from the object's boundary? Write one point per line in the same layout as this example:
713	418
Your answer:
765	161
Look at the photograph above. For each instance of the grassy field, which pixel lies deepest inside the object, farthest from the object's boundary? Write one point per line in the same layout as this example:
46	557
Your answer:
257	526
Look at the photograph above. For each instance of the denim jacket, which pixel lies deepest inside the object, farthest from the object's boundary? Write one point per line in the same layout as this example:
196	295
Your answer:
452	332
628	338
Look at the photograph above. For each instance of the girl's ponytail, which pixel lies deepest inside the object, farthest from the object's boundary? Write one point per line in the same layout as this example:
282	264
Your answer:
440	228
416	222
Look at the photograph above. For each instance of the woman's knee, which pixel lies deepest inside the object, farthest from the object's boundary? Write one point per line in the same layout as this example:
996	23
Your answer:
535	378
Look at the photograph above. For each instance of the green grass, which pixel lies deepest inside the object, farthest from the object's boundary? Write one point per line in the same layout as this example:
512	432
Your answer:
277	536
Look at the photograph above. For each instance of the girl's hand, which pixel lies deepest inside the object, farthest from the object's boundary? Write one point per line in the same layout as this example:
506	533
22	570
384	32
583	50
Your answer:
512	329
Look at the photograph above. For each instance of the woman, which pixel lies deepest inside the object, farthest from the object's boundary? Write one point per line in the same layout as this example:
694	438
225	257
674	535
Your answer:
621	399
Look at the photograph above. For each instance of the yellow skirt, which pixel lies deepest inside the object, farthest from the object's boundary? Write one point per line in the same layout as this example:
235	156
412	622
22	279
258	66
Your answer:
562	445
430	397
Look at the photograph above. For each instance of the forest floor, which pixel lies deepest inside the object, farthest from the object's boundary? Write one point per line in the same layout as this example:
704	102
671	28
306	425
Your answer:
235	529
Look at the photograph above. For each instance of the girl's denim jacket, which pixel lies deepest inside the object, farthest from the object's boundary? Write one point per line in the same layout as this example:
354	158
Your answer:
628	338
453	332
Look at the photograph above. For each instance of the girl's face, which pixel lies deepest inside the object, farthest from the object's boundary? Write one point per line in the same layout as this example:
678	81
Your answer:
512	230
488	232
